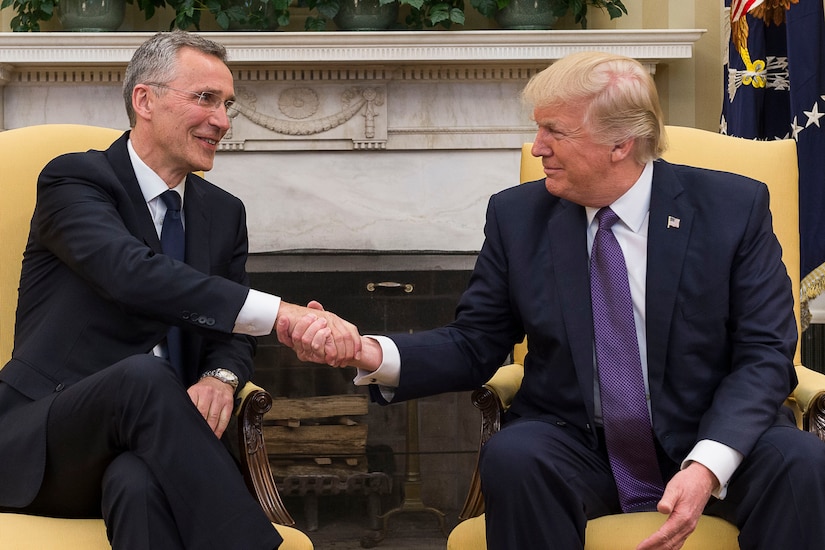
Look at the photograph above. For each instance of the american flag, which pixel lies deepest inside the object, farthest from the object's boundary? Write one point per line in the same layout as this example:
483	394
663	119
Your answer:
775	89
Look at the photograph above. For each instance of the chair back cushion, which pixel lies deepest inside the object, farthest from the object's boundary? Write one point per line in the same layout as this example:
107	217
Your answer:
23	154
774	163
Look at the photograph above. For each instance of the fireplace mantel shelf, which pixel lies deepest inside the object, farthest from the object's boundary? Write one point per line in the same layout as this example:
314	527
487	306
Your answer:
61	49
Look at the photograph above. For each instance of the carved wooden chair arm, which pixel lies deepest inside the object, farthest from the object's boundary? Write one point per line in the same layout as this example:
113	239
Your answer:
254	403
492	400
808	401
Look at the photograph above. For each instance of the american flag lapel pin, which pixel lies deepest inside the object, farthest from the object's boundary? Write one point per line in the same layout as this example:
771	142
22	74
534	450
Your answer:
673	222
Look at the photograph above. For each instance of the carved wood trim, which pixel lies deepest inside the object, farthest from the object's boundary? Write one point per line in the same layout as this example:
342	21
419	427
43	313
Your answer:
814	418
491	409
254	460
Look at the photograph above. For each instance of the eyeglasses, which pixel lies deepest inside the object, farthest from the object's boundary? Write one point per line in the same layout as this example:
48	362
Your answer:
207	100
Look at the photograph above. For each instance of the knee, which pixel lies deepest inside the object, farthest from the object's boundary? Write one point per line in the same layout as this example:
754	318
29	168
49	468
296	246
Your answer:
788	455
508	459
806	455
147	388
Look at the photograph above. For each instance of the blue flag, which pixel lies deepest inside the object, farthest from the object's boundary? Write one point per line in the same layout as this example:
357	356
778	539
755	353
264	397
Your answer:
775	89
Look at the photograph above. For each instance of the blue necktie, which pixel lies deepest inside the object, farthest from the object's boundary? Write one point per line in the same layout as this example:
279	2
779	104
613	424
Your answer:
172	244
627	430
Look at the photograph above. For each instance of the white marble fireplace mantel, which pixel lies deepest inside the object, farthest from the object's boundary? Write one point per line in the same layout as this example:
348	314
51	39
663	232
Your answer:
392	47
358	141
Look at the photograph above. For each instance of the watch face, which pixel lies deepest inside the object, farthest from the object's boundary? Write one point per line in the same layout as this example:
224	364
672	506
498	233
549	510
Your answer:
225	376
229	377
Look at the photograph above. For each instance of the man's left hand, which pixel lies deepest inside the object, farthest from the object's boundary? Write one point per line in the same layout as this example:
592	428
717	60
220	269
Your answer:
683	501
215	401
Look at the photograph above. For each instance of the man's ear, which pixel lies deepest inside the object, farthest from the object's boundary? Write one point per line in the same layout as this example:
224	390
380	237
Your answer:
622	150
142	101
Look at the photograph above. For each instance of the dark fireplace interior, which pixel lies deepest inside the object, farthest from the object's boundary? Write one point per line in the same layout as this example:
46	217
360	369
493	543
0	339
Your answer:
381	293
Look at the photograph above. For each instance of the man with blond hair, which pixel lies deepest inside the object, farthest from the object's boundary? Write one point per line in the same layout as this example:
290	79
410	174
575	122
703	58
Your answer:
660	325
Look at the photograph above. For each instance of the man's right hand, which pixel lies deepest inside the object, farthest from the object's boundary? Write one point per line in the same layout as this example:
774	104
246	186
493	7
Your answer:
318	335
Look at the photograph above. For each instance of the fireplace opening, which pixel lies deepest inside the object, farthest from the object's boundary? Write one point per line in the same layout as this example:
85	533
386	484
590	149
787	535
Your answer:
381	293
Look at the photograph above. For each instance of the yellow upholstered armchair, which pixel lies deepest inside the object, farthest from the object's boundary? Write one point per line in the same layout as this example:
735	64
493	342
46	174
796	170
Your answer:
23	154
772	162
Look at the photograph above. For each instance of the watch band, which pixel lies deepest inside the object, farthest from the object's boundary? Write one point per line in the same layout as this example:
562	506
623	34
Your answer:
224	375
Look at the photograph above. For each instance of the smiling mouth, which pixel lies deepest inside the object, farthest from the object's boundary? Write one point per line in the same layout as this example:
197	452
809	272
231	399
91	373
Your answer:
210	141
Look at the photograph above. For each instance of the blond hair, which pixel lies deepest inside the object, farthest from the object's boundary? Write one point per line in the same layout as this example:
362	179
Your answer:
622	102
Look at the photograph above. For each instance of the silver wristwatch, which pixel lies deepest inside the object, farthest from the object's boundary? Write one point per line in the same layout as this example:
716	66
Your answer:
224	375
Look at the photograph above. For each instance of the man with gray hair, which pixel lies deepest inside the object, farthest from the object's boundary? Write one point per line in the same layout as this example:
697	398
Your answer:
136	324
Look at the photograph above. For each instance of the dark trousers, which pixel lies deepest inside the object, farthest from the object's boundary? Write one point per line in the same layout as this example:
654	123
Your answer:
129	444
542	482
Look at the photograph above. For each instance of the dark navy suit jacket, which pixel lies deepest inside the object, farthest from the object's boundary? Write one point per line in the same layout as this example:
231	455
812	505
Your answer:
95	289
721	331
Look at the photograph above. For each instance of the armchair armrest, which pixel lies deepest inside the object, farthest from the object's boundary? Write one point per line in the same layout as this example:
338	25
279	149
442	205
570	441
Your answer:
254	402
808	401
506	382
492	399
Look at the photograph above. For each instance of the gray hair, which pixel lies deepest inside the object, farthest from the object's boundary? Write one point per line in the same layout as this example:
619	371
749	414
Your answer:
622	102
156	61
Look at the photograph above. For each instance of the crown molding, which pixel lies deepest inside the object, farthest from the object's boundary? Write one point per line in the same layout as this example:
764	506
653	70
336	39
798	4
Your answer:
284	49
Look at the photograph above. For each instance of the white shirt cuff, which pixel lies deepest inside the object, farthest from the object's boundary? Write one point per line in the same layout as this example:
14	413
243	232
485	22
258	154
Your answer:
257	316
388	374
719	459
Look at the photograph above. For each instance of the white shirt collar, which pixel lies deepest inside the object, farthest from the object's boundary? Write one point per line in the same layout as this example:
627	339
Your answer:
151	185
633	206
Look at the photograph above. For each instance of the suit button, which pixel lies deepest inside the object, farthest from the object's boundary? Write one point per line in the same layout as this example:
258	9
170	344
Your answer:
210	322
202	320
59	387
185	315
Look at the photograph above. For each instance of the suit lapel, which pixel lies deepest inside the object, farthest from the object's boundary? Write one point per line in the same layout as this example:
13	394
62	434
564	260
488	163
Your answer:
669	229
568	255
142	227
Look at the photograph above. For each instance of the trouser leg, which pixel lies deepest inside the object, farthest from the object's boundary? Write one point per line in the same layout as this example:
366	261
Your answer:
777	496
135	508
541	482
138	406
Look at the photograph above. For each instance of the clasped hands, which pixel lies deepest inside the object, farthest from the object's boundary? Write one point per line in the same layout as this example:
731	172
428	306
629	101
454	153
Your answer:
320	336
315	335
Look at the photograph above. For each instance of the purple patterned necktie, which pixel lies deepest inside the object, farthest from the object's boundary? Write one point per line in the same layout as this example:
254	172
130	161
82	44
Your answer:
627	428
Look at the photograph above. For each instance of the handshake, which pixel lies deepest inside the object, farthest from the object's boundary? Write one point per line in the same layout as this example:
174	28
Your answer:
320	336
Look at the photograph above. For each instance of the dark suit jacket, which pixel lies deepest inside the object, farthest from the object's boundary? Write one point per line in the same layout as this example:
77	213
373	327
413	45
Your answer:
719	312
95	288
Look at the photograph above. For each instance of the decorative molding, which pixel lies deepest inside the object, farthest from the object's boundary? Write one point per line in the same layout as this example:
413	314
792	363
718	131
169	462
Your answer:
5	73
59	57
69	74
342	116
298	104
